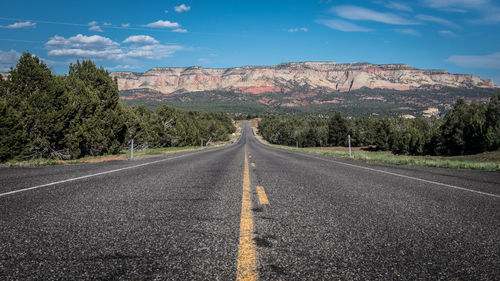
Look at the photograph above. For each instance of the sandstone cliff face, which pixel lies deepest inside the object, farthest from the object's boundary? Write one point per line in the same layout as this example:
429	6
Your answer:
287	77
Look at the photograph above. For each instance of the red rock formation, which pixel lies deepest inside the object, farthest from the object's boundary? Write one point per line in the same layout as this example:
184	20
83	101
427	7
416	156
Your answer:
288	77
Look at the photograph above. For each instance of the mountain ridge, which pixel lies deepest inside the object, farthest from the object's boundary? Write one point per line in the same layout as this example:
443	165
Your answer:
287	77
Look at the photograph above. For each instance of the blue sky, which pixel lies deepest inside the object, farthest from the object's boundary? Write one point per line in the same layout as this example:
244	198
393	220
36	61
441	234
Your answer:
460	36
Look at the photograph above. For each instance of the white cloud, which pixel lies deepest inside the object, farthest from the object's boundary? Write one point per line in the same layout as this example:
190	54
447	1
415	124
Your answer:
20	25
153	51
491	61
126	25
455	3
83	46
448	33
489	11
205	60
408	31
8	59
166	11
396	5
120	67
102	48
441	21
343	25
304	29
359	13
107	24
489	18
140	40
81	42
180	30
182	8
96	28
164	24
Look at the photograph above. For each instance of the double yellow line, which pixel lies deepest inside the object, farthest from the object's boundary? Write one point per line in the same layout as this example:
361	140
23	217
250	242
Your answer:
247	254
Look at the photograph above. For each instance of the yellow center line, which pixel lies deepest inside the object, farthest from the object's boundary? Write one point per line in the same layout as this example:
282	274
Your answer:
247	254
262	195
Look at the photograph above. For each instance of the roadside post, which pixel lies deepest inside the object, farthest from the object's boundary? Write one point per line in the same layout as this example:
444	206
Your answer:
132	150
350	153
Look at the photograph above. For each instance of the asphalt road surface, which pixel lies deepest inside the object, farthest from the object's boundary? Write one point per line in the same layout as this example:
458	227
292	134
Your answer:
248	211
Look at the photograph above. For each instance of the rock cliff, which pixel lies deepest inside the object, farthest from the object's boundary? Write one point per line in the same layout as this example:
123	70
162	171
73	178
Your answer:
288	77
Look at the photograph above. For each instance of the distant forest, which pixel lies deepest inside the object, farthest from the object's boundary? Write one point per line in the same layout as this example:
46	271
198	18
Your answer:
363	102
466	129
43	115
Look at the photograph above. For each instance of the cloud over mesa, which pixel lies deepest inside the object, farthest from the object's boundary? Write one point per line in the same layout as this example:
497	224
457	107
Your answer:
491	61
102	48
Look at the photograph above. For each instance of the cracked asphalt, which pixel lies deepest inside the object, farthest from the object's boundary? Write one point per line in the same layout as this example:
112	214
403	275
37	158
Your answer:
178	218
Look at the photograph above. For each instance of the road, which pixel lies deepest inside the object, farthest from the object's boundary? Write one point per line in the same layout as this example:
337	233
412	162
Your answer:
203	216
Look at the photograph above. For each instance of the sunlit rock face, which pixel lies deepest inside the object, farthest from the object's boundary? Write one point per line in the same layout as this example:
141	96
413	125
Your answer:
288	77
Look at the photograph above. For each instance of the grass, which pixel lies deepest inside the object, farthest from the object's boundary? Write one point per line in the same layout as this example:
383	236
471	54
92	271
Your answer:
487	161
101	158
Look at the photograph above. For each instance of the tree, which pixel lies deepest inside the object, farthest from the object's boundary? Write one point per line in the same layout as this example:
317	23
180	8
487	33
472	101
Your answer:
492	123
99	123
337	130
383	131
463	130
39	97
44	115
14	143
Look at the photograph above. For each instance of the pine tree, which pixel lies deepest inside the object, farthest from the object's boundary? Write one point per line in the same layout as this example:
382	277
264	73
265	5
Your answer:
337	130
492	123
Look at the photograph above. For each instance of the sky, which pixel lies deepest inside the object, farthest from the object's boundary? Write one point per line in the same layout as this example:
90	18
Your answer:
459	36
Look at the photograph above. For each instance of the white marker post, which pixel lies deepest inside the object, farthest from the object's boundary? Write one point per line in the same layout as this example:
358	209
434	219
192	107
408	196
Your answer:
349	138
132	150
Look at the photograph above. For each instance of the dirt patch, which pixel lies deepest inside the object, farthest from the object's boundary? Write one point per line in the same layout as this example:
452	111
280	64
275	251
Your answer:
94	160
341	148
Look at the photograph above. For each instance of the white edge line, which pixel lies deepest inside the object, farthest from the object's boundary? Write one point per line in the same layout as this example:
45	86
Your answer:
394	174
99	174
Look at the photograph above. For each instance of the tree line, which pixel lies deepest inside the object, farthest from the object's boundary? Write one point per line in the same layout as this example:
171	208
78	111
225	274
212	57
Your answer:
43	115
466	129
